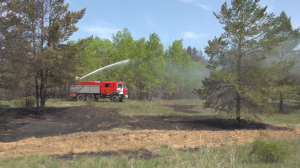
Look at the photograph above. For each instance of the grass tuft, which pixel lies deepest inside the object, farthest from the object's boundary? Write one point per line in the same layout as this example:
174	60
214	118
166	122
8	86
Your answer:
270	150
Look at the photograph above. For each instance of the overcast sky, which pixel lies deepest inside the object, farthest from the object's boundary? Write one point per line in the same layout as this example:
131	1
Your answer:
190	20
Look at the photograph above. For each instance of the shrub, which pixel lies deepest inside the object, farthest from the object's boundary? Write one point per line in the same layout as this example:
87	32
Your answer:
269	150
23	103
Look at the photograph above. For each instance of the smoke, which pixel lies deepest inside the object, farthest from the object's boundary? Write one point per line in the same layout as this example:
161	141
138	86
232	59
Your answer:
288	50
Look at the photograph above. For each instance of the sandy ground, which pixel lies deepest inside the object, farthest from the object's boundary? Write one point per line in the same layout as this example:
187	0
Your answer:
64	131
85	142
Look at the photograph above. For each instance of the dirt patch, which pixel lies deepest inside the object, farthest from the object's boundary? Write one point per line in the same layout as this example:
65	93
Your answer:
107	141
91	130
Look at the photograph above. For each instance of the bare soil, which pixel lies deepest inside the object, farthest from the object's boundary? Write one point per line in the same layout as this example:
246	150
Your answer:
70	131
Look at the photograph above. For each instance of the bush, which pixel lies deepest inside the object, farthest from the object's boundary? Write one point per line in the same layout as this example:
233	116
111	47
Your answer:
23	103
269	150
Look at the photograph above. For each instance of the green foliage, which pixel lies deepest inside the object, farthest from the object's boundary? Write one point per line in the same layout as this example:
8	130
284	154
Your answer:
25	102
270	150
238	83
13	45
151	72
285	51
182	72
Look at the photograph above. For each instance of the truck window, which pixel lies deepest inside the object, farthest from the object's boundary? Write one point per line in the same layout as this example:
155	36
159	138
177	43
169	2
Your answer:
119	85
107	85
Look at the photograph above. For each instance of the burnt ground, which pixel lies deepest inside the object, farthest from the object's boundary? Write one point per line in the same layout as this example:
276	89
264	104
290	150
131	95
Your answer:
69	132
61	121
143	154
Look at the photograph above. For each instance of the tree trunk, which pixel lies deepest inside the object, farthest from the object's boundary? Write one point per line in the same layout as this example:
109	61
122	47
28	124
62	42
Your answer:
35	68
281	102
45	88
37	95
238	96
238	108
68	94
60	91
42	96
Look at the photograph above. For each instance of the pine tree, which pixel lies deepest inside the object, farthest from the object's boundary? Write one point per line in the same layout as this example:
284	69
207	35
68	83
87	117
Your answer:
48	24
285	51
237	83
13	45
196	55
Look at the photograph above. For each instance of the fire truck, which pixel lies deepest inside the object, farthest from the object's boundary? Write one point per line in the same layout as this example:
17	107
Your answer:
94	90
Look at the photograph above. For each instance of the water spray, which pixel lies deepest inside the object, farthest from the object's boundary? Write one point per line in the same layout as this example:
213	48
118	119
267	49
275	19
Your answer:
121	62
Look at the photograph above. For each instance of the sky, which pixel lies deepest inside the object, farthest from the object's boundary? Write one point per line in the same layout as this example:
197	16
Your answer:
190	20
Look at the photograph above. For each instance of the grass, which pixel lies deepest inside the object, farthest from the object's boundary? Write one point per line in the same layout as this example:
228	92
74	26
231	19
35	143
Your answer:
290	117
6	103
202	156
140	107
292	120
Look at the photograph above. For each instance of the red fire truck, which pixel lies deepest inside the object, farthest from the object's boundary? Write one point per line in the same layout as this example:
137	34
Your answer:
94	90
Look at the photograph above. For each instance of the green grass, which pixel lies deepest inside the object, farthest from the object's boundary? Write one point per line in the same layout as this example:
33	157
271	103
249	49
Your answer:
293	119
203	156
139	107
290	117
4	104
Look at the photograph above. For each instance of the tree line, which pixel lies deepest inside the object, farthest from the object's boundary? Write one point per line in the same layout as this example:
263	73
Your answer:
152	72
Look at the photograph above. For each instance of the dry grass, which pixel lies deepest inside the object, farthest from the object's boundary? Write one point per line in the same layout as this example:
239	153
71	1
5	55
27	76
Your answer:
200	157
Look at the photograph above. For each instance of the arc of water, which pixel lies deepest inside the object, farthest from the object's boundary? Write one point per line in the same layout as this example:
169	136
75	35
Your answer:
117	63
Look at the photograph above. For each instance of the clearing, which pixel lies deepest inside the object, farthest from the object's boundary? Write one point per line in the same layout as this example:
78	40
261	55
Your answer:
90	129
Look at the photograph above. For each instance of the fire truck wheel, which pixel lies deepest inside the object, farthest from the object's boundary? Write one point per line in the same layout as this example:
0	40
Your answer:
89	97
114	99
80	97
120	99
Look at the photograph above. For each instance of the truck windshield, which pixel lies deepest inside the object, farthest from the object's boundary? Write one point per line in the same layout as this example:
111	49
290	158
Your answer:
124	85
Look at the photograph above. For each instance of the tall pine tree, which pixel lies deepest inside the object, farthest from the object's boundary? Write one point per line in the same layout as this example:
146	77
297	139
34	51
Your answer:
48	25
237	83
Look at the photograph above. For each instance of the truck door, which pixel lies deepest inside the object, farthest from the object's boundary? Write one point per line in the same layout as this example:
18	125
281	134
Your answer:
120	88
106	88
